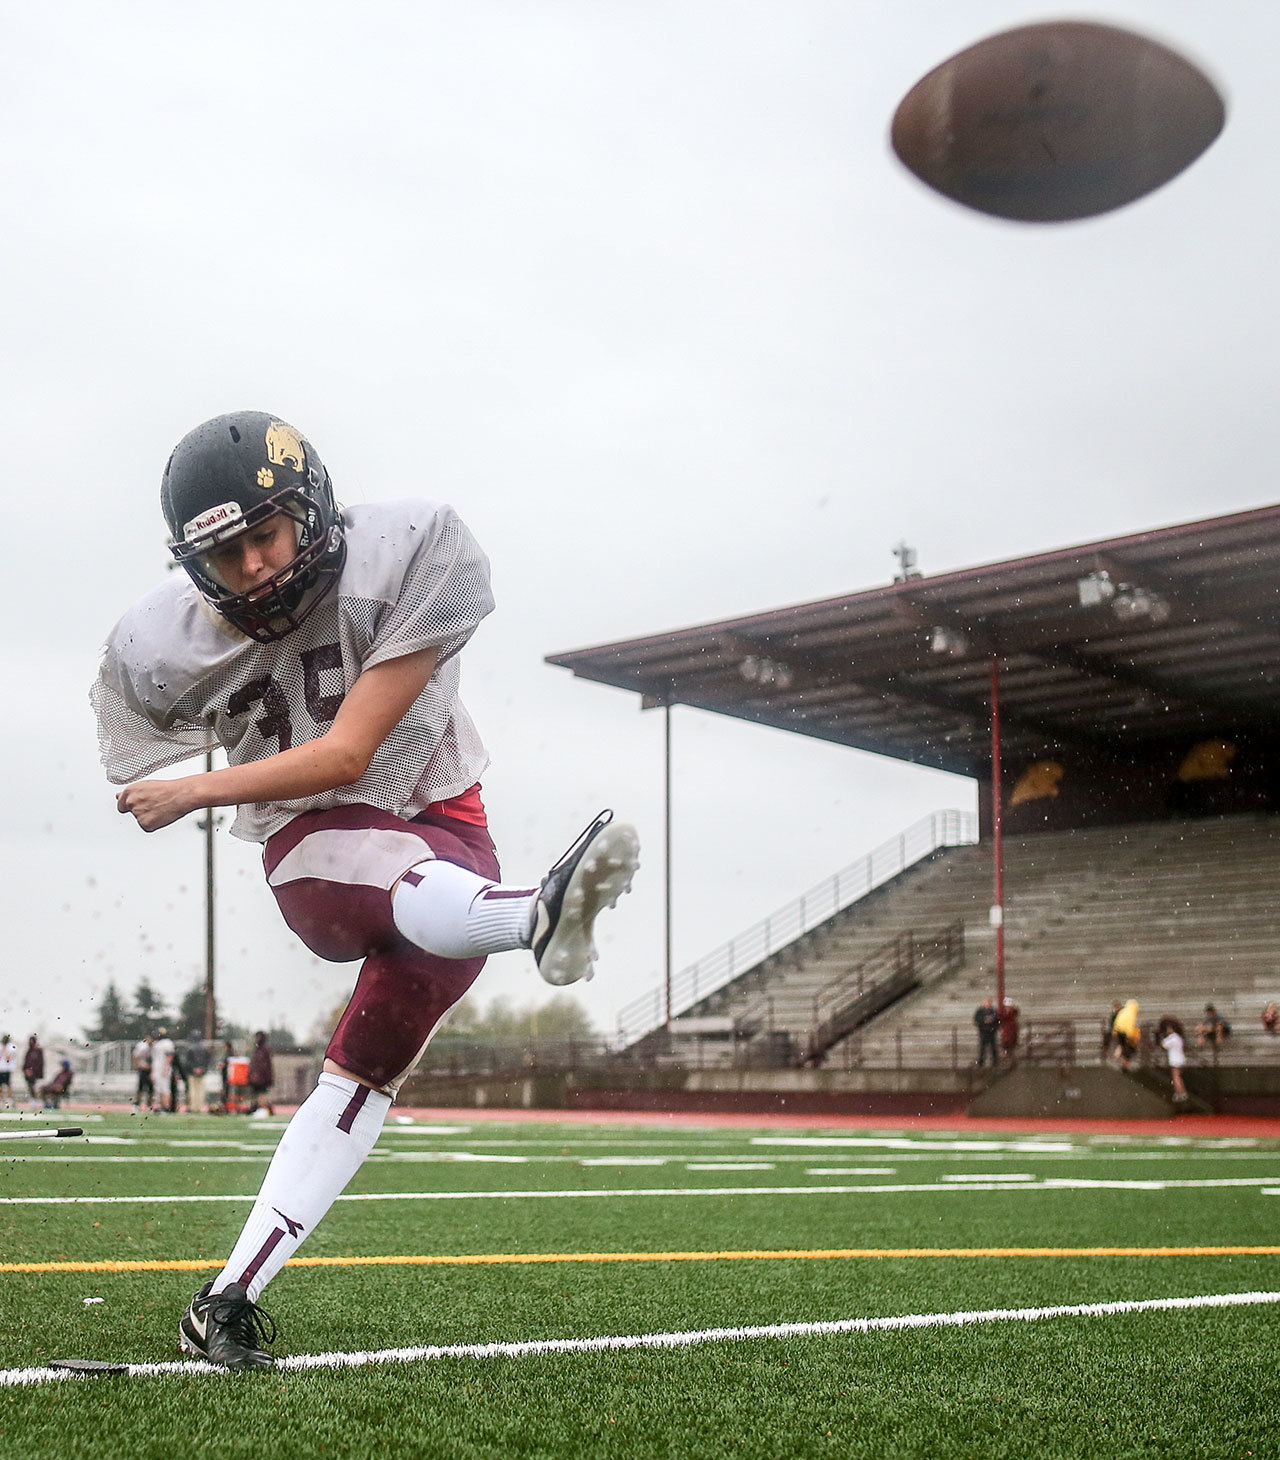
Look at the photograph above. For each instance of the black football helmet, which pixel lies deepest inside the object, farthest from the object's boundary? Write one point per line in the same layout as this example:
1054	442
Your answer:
226	477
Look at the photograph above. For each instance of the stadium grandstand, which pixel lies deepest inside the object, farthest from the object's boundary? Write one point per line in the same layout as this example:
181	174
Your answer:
1117	705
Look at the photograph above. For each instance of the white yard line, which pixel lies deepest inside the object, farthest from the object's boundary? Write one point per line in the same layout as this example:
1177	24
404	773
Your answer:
71	1153
729	1166
689	1338
135	1160
846	1170
955	1188
914	1143
991	1176
1059	1183
612	1160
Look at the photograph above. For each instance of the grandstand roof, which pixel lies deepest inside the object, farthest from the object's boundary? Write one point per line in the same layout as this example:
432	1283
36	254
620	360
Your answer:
1163	634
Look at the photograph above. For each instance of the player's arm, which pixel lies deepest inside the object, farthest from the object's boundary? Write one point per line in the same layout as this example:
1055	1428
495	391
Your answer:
373	707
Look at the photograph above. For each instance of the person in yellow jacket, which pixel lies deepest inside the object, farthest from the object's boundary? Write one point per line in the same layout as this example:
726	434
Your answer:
1127	1033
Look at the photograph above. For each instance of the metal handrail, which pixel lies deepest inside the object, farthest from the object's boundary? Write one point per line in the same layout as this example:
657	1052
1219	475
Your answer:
796	918
893	957
904	962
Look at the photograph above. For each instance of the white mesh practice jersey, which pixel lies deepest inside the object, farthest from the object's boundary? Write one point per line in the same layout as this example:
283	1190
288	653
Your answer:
177	680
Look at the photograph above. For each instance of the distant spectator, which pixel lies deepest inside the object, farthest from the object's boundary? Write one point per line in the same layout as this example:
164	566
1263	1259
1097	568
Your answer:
1213	1028
197	1067
1126	1033
988	1025
162	1052
8	1063
261	1075
33	1065
1108	1030
177	1076
56	1090
142	1064
1270	1018
1171	1036
1008	1016
224	1071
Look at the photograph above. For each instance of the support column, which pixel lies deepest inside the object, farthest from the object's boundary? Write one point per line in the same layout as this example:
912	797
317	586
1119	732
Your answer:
666	1004
997	830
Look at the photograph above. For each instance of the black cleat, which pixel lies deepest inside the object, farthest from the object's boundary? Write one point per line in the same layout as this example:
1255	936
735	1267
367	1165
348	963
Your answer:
226	1328
595	871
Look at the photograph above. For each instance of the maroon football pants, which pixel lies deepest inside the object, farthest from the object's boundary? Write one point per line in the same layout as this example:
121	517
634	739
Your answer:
332	874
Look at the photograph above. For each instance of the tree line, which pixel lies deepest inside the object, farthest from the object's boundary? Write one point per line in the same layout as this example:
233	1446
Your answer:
119	1017
560	1017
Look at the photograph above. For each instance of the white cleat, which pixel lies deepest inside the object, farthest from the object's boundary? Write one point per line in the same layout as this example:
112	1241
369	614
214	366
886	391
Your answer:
592	875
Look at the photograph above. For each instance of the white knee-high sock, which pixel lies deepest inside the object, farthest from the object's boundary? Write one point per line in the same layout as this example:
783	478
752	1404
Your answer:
322	1148
453	913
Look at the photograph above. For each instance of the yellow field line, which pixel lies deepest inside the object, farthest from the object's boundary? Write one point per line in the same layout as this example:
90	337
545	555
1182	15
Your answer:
499	1259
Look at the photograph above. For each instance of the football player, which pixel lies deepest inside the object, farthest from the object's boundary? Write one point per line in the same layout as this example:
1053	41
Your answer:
319	647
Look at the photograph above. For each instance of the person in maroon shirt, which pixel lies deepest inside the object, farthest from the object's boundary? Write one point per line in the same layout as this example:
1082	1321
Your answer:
261	1075
33	1066
1008	1028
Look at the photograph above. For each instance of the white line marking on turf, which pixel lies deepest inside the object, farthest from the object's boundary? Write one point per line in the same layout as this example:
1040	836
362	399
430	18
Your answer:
992	1176
1059	1183
453	1156
81	1118
619	1160
141	1160
501	1194
955	1188
209	1145
848	1170
729	1166
912	1143
73	1153
410	1127
533	1348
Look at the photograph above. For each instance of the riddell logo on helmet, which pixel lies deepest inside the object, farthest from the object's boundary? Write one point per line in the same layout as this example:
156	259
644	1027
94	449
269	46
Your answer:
284	447
216	517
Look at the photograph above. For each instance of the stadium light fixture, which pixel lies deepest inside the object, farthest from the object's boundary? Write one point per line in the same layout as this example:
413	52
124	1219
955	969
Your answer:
1095	589
1129	601
767	673
1140	603
943	640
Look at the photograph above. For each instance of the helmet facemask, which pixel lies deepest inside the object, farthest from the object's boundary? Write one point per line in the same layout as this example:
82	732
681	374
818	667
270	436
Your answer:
281	603
227	478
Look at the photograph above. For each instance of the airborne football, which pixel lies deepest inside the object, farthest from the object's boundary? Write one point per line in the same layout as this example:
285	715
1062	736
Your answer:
1057	121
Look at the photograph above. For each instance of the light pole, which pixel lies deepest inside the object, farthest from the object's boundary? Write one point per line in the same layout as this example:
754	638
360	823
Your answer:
667	865
210	1000
207	826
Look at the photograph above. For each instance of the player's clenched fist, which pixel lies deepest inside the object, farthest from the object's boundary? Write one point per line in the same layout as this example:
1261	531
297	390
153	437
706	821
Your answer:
154	804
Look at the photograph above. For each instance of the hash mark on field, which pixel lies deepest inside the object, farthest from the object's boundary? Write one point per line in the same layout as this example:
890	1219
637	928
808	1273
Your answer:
534	1348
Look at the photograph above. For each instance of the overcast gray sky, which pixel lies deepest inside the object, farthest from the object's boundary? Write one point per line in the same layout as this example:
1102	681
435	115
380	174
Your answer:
640	288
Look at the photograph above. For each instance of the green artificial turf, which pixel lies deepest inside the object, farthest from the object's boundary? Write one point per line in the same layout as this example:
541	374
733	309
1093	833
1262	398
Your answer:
1191	1382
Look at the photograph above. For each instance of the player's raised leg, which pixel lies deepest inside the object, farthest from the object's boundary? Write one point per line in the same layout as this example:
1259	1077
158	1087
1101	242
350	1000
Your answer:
447	910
